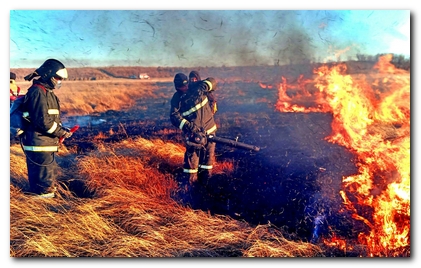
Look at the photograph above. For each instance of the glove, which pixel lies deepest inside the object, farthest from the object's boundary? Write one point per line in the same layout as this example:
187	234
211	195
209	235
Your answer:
67	135
198	138
212	81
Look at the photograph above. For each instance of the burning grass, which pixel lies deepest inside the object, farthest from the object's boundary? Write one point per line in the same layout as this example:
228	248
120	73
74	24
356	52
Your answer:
371	117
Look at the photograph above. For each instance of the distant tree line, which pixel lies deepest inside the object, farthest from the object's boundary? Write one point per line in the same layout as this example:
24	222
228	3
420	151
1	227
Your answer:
362	63
400	61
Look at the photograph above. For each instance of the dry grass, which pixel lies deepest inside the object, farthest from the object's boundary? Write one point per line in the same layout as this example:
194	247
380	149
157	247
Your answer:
82	98
131	213
89	97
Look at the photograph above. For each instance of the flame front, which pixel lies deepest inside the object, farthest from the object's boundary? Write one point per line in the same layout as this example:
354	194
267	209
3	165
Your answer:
371	117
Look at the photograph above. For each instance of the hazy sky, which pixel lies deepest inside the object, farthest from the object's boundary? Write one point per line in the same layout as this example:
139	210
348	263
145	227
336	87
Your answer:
203	37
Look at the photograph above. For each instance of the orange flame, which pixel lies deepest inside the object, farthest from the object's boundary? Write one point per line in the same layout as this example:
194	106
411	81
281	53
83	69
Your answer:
298	98
373	121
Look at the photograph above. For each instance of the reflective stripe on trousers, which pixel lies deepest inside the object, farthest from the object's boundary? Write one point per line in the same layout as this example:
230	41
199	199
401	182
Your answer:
40	148
205	166
190	171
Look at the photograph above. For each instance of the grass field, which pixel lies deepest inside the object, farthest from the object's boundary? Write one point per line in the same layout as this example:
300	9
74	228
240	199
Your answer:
118	172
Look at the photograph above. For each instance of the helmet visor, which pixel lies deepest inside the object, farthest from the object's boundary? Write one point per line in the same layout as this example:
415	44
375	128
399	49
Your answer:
62	73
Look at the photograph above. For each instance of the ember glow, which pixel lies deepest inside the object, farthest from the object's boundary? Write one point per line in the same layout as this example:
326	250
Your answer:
371	118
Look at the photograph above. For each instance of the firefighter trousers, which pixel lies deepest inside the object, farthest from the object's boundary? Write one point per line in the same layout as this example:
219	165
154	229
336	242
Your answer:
198	162
42	170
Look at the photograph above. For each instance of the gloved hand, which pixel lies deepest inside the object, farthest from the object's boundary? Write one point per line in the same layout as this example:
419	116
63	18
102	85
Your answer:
213	82
67	135
66	129
198	138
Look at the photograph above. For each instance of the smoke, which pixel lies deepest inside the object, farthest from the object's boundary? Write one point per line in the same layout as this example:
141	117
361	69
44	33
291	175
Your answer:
249	38
209	38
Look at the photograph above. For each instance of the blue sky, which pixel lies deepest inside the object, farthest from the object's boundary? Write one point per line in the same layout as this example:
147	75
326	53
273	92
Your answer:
158	37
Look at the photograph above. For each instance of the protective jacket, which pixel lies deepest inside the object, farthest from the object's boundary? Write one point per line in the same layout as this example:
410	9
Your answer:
191	111
42	109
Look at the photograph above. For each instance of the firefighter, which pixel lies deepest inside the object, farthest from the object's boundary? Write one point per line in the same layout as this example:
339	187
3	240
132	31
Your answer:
14	89
194	78
43	127
191	112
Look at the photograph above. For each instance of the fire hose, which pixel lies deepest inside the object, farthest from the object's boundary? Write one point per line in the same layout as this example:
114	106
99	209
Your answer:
73	129
233	143
199	139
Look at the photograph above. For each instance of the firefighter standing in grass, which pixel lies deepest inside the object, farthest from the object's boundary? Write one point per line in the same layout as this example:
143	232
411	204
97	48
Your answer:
43	128
191	112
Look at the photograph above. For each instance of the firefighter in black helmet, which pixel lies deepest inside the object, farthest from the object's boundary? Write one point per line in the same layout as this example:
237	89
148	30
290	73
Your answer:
191	112
207	154
43	127
194	79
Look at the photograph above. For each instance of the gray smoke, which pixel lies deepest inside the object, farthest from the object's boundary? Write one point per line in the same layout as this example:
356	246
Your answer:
237	37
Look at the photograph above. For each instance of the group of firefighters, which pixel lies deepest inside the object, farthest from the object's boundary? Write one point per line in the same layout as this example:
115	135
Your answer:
193	106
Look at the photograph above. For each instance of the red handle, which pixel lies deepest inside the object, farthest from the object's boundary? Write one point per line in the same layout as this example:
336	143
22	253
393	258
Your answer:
73	129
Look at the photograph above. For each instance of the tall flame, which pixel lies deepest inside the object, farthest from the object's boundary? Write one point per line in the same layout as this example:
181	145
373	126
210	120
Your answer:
373	121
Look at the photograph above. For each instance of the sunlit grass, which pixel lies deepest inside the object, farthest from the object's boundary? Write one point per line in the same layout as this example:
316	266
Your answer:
131	213
83	98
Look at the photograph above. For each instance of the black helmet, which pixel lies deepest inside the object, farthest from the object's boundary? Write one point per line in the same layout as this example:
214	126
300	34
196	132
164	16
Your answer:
194	78
194	74
52	72
181	82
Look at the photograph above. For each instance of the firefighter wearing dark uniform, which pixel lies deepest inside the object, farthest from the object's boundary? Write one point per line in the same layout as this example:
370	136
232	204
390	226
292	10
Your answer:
194	78
191	112
40	139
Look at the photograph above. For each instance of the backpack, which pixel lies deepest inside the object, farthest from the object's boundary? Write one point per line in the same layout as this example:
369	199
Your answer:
17	116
